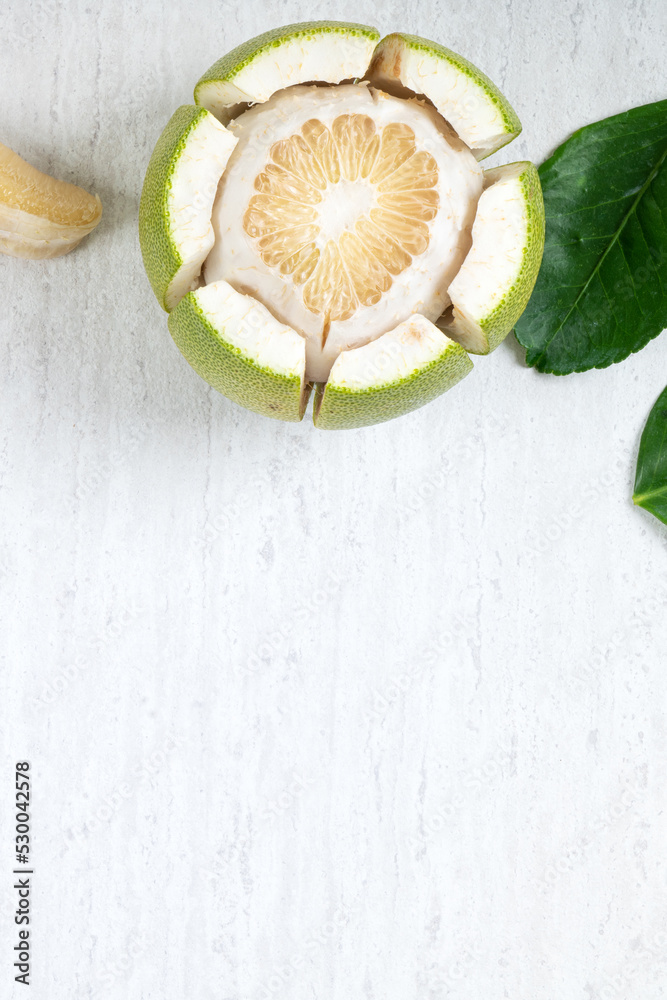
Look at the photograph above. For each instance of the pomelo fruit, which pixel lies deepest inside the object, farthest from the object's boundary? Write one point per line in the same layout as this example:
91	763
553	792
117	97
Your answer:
507	242
319	217
175	226
359	215
463	95
234	342
40	216
390	376
327	51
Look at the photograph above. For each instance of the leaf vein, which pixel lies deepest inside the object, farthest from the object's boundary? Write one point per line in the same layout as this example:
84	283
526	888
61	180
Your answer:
653	173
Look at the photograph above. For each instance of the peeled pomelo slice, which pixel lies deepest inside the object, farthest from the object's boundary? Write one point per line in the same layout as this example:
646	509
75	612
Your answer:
40	216
175	229
237	346
345	211
496	280
398	372
327	51
463	95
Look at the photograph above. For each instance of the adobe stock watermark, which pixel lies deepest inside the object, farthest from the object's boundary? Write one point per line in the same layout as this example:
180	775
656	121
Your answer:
118	969
561	523
285	972
103	471
286	800
63	679
642	955
229	514
473	779
270	814
275	642
645	612
396	687
4	565
438	478
571	856
31	23
114	801
449	975
628	286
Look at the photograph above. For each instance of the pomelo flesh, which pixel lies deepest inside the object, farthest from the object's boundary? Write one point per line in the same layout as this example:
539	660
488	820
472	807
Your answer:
351	216
40	216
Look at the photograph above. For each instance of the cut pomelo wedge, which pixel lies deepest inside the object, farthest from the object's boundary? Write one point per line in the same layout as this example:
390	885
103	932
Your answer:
497	277
344	211
463	95
40	216
175	229
399	372
321	217
237	346
329	51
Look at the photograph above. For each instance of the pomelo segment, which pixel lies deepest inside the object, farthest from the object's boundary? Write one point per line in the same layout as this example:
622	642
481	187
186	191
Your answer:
237	346
175	229
398	372
40	216
313	51
497	277
345	211
470	102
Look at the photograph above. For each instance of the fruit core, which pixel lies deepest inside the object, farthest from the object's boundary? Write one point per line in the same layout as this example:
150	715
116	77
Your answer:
344	210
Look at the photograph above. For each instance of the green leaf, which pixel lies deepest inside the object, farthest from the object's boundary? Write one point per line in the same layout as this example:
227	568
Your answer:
651	479
602	290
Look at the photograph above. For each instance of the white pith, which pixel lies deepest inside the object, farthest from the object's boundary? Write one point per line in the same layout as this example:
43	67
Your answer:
391	358
250	327
194	183
421	288
23	234
256	309
491	269
327	56
459	97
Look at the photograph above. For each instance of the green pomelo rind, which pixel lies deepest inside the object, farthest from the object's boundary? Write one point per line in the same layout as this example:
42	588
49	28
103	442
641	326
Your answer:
508	117
499	323
161	256
339	407
230	65
495	326
228	370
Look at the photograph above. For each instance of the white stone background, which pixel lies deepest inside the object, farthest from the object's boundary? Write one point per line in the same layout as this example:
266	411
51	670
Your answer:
320	715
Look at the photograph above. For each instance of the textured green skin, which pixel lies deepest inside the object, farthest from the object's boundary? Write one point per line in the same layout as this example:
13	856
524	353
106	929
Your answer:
228	370
416	43
338	408
226	68
601	293
650	490
498	323
161	255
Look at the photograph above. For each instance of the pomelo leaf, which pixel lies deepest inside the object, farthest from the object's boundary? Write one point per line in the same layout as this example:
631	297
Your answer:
651	479
602	290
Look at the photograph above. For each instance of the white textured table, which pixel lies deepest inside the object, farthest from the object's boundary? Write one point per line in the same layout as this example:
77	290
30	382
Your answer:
373	714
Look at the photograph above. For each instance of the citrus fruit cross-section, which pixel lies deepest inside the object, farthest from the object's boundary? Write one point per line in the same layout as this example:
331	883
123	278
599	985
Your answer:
319	218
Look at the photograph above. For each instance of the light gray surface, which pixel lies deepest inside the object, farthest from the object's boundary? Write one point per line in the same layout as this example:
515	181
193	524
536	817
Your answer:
311	715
